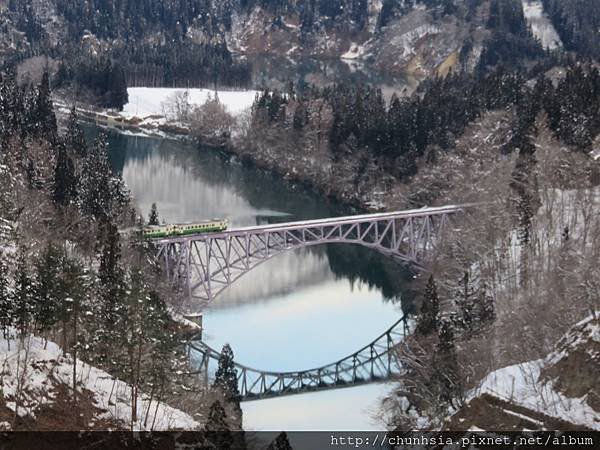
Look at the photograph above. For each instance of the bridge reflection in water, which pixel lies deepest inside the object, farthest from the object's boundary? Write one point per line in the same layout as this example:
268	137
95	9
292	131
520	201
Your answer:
377	361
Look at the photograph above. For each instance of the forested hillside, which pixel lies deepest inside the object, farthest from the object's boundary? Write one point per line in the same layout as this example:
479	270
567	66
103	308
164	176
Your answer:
349	133
102	46
577	23
70	274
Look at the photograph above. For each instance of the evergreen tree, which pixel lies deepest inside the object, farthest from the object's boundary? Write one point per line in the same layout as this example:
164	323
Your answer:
47	288
428	319
487	306
111	296
447	371
6	304
153	218
75	288
466	303
280	443
23	295
226	375
216	428
65	182
74	139
116	95
42	116
102	194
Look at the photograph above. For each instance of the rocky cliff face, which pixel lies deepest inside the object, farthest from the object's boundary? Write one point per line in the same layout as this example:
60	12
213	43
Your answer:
418	41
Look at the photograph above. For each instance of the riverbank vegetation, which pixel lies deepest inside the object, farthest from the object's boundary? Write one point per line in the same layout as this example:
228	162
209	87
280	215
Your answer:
69	276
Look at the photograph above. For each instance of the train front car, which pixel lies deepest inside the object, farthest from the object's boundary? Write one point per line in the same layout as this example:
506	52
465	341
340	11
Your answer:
186	229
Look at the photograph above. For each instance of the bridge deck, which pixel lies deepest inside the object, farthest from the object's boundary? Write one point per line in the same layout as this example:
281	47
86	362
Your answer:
324	222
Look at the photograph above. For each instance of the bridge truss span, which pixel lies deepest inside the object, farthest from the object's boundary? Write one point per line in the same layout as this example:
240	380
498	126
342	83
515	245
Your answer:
377	361
206	264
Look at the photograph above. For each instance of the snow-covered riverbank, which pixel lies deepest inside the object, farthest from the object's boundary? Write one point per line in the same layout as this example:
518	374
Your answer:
146	102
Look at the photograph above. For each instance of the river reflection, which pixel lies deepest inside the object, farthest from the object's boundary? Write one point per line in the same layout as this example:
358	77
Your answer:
299	310
277	71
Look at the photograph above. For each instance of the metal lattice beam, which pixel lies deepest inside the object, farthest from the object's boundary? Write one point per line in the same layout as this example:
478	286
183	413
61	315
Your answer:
376	361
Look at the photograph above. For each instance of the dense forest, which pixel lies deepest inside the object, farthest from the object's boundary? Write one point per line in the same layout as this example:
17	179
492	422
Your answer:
107	45
578	24
400	135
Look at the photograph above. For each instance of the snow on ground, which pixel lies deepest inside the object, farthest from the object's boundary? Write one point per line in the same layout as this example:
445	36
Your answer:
355	52
540	24
38	370
521	383
144	102
408	41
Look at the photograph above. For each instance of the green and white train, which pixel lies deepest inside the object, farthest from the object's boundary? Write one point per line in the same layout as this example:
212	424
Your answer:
185	229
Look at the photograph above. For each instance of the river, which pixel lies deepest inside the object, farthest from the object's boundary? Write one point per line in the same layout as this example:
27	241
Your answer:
300	310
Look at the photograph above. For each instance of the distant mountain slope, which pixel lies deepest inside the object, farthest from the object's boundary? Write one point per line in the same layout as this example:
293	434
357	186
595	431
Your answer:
183	42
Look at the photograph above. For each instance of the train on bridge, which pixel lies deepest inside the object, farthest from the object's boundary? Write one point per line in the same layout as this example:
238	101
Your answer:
185	229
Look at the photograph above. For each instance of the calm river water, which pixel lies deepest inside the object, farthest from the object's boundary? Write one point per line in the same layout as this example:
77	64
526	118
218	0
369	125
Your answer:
298	311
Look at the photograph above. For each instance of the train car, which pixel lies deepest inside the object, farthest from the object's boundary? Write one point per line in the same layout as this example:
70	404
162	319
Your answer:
185	229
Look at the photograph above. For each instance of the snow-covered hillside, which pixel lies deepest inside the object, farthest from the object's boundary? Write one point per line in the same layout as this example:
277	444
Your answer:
545	385
32	377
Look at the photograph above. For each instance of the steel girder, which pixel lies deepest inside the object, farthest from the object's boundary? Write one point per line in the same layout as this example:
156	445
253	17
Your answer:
206	264
376	361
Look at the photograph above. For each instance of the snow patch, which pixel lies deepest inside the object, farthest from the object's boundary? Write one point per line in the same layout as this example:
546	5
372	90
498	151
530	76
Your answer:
355	52
145	102
522	384
540	24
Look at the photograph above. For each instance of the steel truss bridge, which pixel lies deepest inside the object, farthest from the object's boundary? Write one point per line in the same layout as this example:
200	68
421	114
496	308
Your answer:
207	264
376	361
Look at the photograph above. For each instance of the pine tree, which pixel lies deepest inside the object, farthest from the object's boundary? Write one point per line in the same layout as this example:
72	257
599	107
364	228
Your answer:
64	189
111	289
101	193
47	288
280	443
226	375
466	303
23	295
6	304
75	288
216	428
428	319
487	306
153	218
74	138
42	116
118	96
447	371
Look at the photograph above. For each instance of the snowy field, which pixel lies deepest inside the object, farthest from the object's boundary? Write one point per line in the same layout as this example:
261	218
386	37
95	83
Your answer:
31	372
144	102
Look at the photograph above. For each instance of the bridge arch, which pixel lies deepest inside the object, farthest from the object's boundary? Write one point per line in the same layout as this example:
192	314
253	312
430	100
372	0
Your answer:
376	361
208	264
